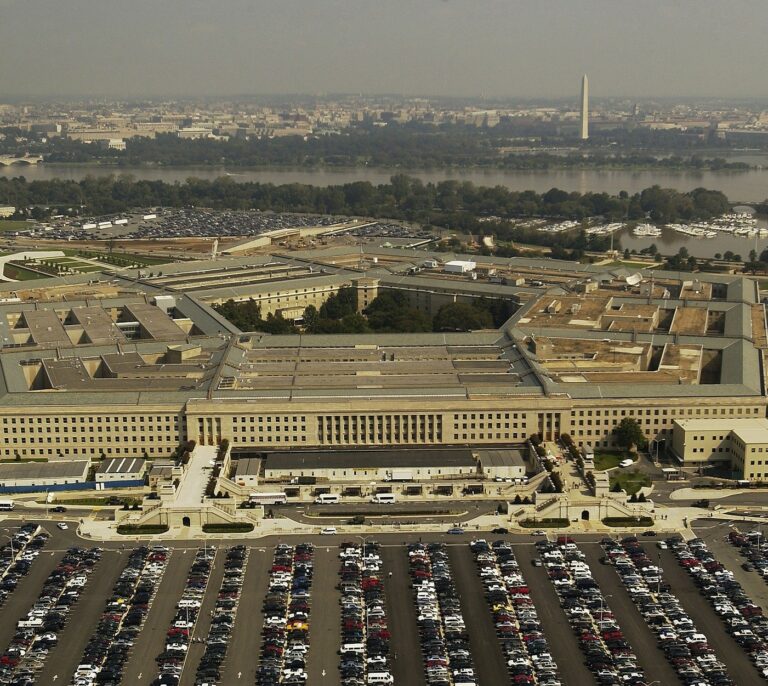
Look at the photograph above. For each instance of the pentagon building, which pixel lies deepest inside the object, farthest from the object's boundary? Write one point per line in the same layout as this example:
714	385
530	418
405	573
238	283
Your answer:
131	363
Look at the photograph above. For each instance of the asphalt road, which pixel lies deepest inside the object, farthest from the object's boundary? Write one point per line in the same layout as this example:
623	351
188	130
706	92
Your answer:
490	663
636	631
141	667
563	645
83	620
740	669
196	650
324	619
245	641
405	646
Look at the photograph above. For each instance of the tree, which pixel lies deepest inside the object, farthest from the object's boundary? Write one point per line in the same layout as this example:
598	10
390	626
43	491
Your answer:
629	433
461	317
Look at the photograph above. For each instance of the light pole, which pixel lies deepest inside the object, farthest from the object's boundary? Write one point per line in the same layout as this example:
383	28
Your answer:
602	604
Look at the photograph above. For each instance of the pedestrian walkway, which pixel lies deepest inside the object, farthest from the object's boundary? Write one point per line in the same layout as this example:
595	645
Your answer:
198	471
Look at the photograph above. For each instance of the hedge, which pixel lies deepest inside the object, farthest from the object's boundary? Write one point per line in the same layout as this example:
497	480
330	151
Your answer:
138	529
628	521
545	523
227	528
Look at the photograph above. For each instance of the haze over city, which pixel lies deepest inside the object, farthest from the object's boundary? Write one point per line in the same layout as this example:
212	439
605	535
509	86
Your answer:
493	48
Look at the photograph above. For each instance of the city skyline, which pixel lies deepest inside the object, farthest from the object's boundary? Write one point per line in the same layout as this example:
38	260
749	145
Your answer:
436	48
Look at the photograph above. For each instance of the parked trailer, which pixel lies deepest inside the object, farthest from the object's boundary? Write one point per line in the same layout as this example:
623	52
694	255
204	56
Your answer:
149	216
120	222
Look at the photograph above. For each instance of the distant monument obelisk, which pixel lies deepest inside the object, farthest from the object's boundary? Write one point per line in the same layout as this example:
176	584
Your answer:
584	108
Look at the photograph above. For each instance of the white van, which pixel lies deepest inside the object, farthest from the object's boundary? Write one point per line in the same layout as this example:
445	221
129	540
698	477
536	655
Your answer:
385	498
380	678
353	648
327	499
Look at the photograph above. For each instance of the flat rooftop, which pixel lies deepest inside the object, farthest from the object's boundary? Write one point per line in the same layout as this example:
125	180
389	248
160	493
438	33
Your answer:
121	465
68	469
381	459
501	458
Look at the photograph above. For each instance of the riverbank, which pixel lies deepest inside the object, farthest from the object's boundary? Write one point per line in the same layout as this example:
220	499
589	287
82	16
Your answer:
740	186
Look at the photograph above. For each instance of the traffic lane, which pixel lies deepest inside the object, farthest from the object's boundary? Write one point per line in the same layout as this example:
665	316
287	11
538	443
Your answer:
26	593
83	619
404	646
324	619
151	640
705	619
635	628
245	642
563	645
490	663
196	650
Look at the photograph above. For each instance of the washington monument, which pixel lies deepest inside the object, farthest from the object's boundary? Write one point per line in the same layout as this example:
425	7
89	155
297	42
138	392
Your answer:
584	108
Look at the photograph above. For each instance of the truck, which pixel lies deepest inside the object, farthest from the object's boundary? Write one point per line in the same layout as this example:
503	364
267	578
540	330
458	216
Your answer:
401	475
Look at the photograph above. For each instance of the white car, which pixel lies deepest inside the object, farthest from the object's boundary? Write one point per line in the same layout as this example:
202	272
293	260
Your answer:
328	530
63	526
626	463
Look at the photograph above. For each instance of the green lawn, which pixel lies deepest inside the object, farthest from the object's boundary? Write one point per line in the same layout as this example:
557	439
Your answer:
14	225
631	482
13	271
608	460
141	260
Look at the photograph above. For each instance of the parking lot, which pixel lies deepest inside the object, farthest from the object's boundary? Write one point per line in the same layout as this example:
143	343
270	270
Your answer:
231	614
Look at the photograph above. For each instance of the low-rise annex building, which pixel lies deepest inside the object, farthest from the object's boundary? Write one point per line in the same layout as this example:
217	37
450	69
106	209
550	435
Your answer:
738	444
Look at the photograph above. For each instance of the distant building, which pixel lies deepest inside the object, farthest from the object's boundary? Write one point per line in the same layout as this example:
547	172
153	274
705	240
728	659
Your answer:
7	211
584	108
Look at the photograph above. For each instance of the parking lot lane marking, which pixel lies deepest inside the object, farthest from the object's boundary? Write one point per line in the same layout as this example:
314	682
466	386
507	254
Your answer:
487	656
243	654
151	641
560	638
636	630
730	653
408	667
325	617
84	619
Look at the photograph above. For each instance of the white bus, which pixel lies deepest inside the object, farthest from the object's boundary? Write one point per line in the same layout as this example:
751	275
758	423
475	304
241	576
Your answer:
327	499
6	504
268	498
385	498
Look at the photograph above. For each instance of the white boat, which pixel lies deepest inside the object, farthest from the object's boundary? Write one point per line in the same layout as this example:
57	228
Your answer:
646	230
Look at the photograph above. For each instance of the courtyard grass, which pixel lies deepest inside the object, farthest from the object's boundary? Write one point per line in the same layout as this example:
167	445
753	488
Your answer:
608	460
631	482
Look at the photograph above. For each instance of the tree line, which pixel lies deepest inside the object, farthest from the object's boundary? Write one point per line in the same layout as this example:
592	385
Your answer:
448	204
411	144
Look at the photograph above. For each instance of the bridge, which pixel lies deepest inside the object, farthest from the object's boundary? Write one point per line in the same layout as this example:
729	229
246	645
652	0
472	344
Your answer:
8	160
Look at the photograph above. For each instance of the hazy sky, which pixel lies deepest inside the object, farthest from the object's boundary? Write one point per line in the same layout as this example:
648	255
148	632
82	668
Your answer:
507	48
